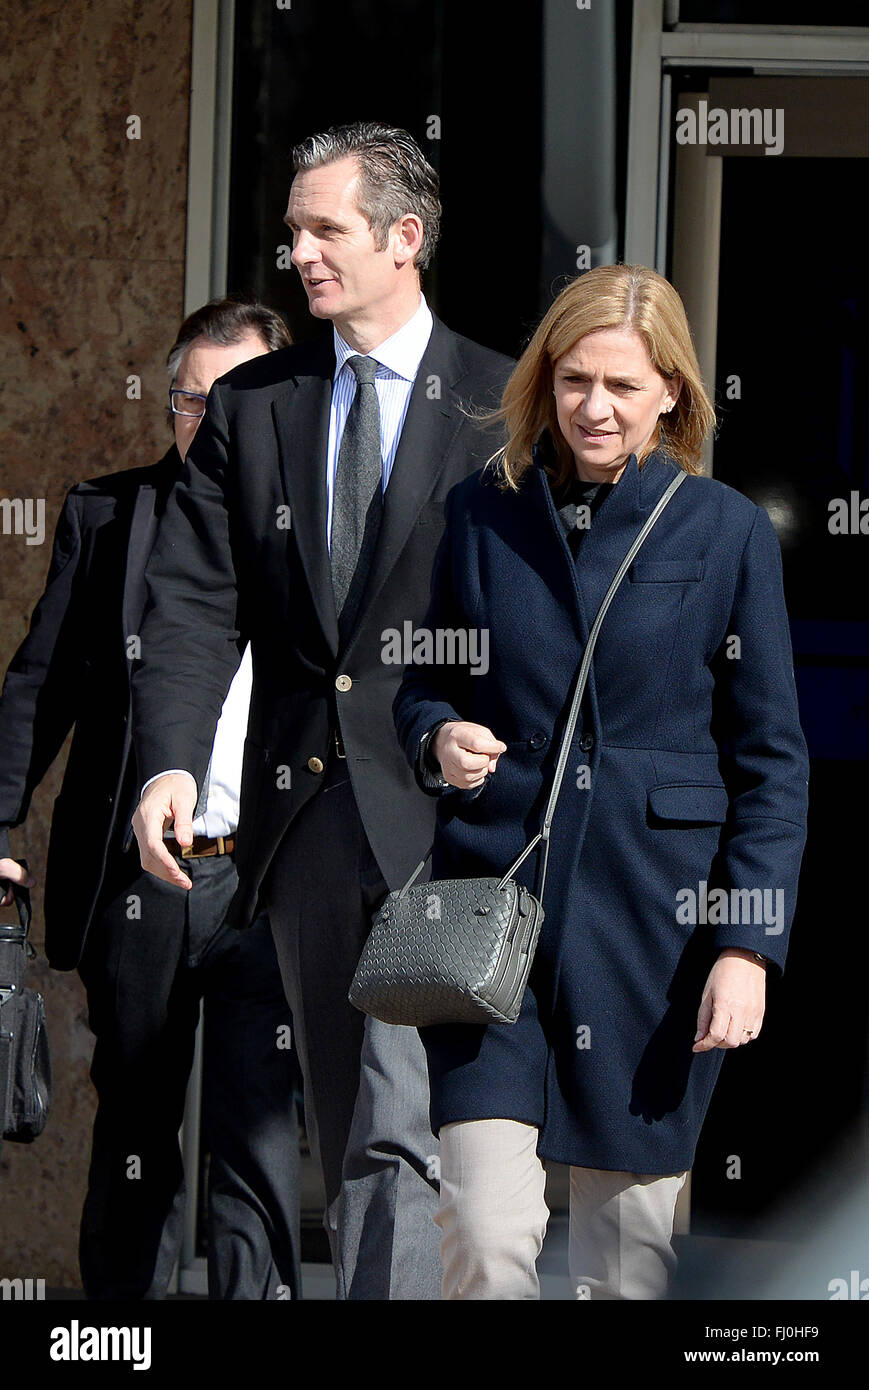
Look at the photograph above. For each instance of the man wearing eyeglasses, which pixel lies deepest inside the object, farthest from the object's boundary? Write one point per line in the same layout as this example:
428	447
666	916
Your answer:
147	953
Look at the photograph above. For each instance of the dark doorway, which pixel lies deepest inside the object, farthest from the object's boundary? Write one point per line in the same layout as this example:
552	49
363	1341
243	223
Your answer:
793	396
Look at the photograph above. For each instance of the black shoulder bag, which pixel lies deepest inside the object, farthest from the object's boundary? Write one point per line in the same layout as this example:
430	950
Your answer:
460	950
25	1067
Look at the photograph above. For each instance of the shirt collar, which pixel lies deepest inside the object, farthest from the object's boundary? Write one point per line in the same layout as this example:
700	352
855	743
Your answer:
402	353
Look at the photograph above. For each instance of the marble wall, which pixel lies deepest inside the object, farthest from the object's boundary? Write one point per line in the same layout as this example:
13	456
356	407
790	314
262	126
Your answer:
92	272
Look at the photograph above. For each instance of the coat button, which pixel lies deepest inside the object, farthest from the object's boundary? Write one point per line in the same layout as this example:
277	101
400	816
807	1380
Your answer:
343	683
586	743
538	741
315	764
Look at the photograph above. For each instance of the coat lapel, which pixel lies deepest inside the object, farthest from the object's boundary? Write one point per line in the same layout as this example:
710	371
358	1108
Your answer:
585	581
564	568
301	421
615	526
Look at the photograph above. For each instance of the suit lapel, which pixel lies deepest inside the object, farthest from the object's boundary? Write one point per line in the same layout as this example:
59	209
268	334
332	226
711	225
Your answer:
143	531
430	427
301	421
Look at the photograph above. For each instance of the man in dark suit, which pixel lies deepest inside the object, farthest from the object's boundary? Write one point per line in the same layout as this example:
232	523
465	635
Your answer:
147	954
306	521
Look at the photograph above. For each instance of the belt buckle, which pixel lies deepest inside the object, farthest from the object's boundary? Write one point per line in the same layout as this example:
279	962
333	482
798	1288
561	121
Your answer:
339	746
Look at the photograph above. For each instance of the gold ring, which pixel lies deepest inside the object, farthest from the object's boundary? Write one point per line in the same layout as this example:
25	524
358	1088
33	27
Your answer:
749	1031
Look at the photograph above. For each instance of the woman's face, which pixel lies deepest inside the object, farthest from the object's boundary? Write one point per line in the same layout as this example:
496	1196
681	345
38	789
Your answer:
608	397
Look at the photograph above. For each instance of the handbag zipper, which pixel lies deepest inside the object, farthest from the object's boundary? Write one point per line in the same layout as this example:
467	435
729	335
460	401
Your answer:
533	922
504	954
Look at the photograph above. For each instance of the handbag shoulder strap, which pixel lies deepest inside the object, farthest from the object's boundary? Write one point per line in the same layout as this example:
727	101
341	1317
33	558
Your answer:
582	680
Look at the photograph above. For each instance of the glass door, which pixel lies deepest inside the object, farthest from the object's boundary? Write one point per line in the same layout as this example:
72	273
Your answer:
766	181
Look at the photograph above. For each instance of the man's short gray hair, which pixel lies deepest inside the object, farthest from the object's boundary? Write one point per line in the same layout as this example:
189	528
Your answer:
395	177
225	322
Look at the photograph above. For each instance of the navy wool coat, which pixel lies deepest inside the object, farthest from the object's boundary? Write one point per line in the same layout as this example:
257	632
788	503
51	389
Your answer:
688	768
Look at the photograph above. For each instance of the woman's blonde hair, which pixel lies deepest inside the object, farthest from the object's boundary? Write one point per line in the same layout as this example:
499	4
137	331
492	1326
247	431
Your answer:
611	296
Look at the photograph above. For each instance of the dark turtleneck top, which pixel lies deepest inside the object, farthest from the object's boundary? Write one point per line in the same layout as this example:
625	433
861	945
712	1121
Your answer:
571	502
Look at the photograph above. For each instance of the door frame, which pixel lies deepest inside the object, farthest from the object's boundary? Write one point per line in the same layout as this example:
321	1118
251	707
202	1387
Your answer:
205	268
661	46
658	50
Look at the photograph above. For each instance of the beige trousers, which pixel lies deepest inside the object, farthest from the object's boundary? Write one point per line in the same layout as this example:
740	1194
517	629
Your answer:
493	1219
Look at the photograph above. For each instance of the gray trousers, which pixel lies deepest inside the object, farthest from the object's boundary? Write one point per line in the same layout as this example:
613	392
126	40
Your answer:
366	1083
493	1216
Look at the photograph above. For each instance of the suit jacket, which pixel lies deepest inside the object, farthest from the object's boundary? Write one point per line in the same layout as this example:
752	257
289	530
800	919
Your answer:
242	555
688	767
71	669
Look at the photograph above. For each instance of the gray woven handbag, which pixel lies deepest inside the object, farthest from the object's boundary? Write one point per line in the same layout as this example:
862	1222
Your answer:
460	950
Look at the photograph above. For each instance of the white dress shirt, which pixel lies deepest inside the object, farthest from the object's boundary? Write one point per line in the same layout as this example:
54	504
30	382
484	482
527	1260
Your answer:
398	360
220	816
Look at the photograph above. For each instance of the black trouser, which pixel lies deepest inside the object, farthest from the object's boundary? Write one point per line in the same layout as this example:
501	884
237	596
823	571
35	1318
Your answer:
153	953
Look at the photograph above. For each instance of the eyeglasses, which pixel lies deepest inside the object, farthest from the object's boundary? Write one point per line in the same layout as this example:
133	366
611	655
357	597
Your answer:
186	402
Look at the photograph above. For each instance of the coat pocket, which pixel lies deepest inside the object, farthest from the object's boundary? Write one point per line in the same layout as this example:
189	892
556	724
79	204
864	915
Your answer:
700	805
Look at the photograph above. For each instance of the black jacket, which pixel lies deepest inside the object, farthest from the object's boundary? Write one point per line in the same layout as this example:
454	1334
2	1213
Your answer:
73	668
242	553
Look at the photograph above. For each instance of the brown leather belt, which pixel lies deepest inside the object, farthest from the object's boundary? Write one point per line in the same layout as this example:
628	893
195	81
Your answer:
204	847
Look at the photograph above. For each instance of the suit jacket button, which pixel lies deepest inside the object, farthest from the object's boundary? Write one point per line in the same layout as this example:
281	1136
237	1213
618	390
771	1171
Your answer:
315	764
343	683
586	743
538	741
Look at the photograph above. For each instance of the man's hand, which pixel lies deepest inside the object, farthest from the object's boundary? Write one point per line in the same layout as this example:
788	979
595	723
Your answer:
169	800
467	753
731	1009
12	872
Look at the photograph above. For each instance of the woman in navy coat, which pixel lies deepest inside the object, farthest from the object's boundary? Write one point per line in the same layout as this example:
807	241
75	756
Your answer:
678	834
